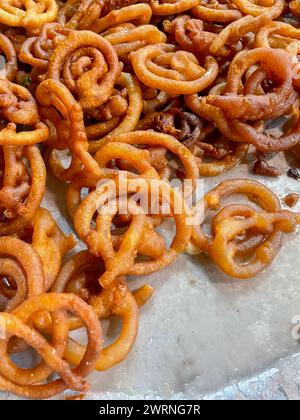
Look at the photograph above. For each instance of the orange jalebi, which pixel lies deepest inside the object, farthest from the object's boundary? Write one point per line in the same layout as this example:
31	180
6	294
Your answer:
130	104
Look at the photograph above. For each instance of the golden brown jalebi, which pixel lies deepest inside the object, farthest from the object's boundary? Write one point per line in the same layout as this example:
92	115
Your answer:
22	265
122	262
30	14
36	51
152	139
76	14
235	31
127	40
21	191
26	382
184	75
276	35
227	226
117	301
53	93
140	13
216	11
129	104
172	7
257	107
295	7
126	121
50	243
18	107
191	36
256	8
84	58
235	220
188	129
80	275
212	200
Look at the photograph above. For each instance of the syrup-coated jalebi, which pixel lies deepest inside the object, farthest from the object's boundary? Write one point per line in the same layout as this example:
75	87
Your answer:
129	104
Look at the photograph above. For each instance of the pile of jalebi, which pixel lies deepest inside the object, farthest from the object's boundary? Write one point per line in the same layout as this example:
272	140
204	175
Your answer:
118	98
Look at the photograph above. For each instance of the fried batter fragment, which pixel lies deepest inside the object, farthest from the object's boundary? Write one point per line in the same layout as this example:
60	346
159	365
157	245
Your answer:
261	167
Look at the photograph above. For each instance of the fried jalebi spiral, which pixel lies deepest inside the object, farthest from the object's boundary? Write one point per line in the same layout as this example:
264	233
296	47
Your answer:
228	226
8	69
126	121
11	272
172	7
88	65
131	104
100	241
188	129
239	131
128	40
52	93
257	107
191	36
22	265
151	139
27	382
118	262
235	31
264	142
50	243
139	160
216	11
138	13
77	14
15	181
79	275
18	108
116	301
17	37
255	191
152	245
232	225
295	7
17	104
155	100
36	51
30	14
22	191
256	8
174	71
276	35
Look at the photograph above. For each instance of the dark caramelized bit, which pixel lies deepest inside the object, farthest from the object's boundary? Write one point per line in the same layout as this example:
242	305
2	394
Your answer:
261	167
294	173
218	150
185	126
165	123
